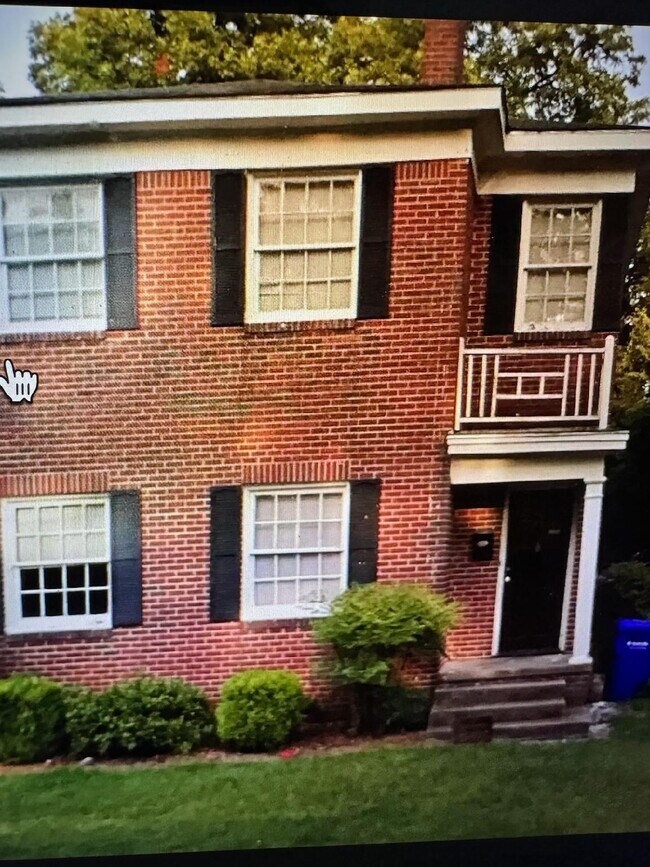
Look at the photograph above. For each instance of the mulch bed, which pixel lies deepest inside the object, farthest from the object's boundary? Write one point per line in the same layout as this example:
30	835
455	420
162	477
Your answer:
333	743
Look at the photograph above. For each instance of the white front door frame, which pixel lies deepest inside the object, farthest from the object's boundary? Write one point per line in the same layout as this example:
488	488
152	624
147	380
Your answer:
501	574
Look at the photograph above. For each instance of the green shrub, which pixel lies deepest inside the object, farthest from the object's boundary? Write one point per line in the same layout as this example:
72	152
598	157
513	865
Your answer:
259	708
32	718
632	580
373	629
141	717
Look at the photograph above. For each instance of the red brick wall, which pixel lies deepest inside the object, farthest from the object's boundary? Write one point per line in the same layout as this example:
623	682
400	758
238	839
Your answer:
178	406
473	584
442	60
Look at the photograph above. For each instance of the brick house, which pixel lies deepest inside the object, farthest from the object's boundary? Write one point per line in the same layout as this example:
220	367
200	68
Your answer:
294	337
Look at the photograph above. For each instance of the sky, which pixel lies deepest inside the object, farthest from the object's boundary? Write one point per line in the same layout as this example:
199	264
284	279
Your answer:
14	51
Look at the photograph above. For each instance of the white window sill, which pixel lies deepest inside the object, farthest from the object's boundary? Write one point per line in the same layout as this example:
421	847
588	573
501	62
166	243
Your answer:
285	612
50	625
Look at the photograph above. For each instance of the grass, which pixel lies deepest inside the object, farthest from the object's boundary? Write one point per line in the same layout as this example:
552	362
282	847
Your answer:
380	795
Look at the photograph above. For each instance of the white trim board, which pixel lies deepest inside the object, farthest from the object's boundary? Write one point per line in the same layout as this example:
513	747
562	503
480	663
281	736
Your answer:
532	443
313	150
546	183
500	470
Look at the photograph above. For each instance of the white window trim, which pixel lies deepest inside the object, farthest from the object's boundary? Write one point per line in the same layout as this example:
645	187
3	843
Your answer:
15	623
524	252
252	312
252	612
54	326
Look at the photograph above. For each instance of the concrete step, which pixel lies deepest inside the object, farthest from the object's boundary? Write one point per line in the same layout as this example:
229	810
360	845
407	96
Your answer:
574	724
506	711
493	692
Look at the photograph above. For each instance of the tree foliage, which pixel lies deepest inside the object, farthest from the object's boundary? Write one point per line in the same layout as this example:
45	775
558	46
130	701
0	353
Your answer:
564	72
550	71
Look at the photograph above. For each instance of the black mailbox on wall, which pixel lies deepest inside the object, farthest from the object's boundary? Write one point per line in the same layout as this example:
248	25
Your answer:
482	546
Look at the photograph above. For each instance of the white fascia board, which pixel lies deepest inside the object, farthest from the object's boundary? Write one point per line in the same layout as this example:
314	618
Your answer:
249	112
324	150
577	141
547	442
549	183
527	468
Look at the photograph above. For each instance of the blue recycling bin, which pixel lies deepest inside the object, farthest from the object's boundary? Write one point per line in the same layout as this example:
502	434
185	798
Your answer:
631	669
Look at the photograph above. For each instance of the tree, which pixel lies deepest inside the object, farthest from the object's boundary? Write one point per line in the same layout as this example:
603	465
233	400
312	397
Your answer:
549	71
98	48
566	72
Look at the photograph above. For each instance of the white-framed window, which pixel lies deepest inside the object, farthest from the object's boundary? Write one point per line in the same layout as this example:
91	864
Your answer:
295	550
52	275
57	572
303	247
557	266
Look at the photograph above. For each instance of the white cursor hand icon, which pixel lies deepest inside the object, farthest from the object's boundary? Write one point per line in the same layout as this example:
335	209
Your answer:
19	384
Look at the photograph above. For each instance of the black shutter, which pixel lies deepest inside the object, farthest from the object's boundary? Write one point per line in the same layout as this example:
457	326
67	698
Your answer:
225	553
119	239
612	264
503	266
364	531
377	188
229	239
126	558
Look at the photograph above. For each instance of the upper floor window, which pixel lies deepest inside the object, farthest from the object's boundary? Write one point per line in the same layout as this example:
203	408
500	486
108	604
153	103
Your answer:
56	556
303	249
557	267
52	259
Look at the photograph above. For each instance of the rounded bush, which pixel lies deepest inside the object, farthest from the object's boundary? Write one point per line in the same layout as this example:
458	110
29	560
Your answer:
141	717
32	718
258	709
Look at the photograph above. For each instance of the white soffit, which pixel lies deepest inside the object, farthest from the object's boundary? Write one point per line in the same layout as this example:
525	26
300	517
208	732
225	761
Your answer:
577	141
556	183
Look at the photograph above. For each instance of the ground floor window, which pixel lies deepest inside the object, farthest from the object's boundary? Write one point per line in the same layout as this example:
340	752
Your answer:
295	550
56	563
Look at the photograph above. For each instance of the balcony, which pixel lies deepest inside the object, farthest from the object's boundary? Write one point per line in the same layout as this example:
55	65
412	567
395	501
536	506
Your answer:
533	387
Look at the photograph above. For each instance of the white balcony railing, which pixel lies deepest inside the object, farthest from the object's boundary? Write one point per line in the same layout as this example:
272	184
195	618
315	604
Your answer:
532	386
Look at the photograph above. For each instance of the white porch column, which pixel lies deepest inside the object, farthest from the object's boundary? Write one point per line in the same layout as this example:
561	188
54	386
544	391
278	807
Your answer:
588	564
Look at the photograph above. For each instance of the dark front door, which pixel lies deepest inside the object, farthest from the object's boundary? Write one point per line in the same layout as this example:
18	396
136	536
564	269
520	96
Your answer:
539	529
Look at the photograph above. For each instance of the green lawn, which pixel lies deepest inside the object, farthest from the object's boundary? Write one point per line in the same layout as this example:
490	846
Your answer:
381	795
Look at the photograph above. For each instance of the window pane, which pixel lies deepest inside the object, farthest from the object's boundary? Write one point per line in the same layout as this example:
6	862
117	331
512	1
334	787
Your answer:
294	198
286	535
308	536
38	204
287	565
76	602
14	206
53	604
73	546
331	588
27	549
95	545
38	239
309	506
264	537
287	508
75	576
44	307
537	283
318	265
18	279
29	579
342	229
25	520
293	297
317	296
97	575
87	203
49	518
98	601
340	295
319	197
63	238
62	205
294	266
87	237
269	198
92	305
15	244
555	311
574	310
330	564
332	505
286	592
540	221
341	263
43	277
264	567
309	564
343	196
308	591
318	230
20	309
332	534
264	593
269	302
91	275
556	282
534	311
582	221
270	230
68	275
270	267
51	548
53	578
31	605
264	508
